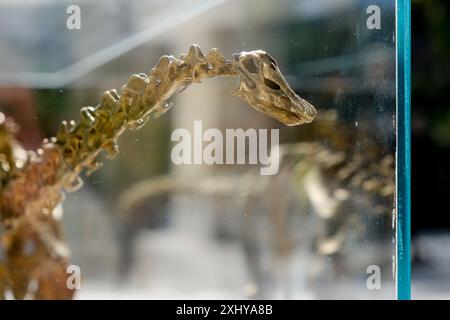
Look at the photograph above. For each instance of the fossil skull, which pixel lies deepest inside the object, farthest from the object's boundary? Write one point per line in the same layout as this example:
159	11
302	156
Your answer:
264	88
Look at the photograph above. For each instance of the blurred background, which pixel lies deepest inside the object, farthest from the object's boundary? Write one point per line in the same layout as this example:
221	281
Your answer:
309	232
430	149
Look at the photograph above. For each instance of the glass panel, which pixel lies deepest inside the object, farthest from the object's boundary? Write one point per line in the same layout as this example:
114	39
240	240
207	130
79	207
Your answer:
313	221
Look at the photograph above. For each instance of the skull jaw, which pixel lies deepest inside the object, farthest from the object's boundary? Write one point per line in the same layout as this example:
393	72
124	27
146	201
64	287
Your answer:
283	115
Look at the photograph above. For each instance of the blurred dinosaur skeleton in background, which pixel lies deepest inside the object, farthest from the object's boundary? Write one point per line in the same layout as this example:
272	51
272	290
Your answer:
344	185
33	258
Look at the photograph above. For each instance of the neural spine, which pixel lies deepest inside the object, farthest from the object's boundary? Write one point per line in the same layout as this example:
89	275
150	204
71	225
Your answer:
76	145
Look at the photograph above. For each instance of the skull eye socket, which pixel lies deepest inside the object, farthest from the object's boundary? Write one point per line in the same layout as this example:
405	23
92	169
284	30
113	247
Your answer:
251	65
273	63
272	85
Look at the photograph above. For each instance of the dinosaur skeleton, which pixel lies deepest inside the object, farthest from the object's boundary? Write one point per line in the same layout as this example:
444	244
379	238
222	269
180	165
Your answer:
32	183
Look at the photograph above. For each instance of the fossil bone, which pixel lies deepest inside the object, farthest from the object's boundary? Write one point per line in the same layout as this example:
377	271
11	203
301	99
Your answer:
31	189
264	88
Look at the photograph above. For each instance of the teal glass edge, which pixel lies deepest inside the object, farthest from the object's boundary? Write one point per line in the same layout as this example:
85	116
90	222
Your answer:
403	231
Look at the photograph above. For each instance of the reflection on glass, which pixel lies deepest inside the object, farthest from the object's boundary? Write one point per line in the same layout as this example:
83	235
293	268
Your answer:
144	226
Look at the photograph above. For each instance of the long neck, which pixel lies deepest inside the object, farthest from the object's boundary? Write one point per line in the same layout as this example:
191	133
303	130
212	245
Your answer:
76	146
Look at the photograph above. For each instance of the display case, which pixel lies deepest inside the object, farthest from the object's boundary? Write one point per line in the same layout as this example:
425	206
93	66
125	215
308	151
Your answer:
128	172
